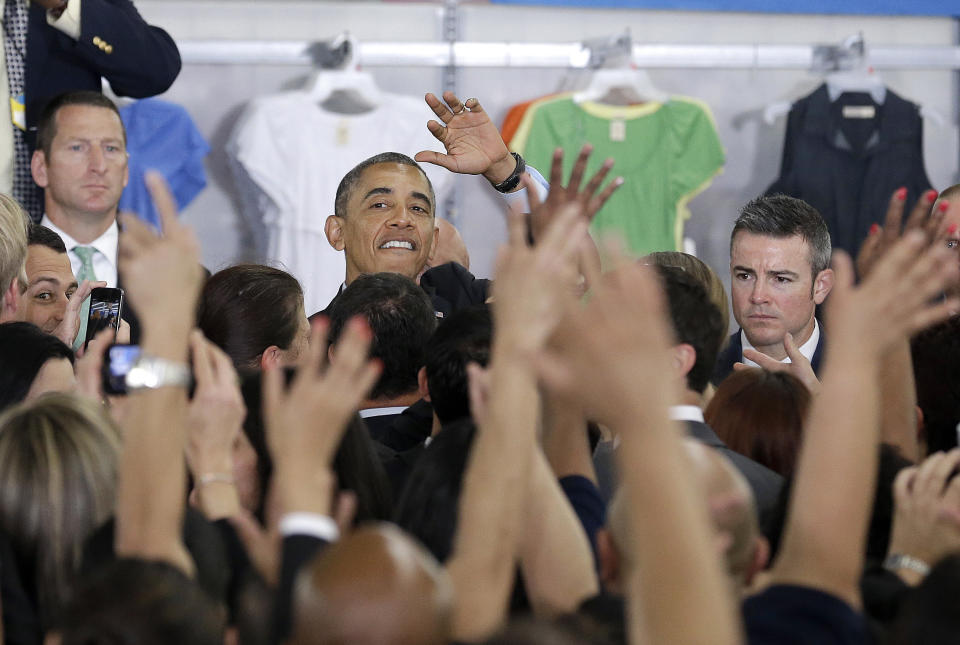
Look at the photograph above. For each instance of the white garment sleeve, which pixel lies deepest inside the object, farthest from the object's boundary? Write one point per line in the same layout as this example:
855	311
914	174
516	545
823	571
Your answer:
517	200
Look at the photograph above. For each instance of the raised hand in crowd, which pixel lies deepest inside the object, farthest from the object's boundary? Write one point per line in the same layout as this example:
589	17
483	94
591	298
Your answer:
214	421
823	543
162	277
529	290
611	356
881	238
472	142
899	416
926	520
589	196
306	421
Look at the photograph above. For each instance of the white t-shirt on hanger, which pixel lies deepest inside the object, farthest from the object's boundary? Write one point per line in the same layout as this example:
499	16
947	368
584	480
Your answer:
296	153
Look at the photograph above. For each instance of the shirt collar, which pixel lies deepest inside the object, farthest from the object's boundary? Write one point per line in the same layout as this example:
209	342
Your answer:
106	244
381	412
808	349
686	413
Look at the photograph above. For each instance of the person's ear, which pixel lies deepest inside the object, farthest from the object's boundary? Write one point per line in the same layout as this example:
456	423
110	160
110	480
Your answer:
422	387
333	228
758	559
11	302
271	357
822	286
684	358
38	168
434	241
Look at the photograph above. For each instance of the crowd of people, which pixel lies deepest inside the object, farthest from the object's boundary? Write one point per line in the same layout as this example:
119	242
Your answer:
574	451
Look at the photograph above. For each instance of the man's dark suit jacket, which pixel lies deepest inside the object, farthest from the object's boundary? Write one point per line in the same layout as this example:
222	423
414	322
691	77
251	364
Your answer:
733	353
450	287
142	60
764	483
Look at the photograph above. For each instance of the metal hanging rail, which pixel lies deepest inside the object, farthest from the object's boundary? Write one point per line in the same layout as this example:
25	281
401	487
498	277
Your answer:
555	55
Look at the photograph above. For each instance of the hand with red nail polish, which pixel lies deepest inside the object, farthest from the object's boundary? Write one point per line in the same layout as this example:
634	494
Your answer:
882	238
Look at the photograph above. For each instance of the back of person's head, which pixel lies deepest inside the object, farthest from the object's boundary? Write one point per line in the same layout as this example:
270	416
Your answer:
700	270
24	350
733	515
350	180
936	371
696	322
402	320
760	414
462	338
930	612
249	308
39	235
139	602
782	216
429	504
58	468
376	585
13	246
47	123
356	464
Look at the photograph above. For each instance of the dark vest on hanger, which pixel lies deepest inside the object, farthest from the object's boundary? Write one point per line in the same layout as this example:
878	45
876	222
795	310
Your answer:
847	157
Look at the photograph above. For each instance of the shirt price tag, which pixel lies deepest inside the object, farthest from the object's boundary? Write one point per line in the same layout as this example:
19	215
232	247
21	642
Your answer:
343	133
18	113
618	130
859	111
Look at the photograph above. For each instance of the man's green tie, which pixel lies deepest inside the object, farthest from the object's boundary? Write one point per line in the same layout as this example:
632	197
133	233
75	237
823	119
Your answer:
85	253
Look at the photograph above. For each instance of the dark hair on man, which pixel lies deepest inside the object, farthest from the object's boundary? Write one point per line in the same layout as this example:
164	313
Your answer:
42	236
760	414
349	181
140	602
936	371
462	338
402	320
47	124
696	322
428	506
24	348
245	309
783	216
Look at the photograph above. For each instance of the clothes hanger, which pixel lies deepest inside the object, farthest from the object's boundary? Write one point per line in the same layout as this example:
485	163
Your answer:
848	70
619	86
348	84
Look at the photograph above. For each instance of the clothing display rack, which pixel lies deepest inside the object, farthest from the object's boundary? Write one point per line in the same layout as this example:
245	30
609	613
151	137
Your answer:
452	53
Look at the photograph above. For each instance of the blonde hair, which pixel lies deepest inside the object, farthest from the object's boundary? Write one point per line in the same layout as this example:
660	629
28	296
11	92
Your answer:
13	243
58	470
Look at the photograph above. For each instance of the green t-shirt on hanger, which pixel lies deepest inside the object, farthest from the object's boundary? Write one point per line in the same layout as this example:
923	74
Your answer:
667	153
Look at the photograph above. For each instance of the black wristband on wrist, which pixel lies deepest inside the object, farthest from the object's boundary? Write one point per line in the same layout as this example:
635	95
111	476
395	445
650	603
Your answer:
511	182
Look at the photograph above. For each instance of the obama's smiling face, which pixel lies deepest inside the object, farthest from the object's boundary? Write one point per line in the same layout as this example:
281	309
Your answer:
388	225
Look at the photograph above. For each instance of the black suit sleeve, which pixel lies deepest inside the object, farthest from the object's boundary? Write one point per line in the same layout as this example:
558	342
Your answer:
144	60
297	552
